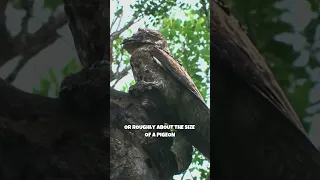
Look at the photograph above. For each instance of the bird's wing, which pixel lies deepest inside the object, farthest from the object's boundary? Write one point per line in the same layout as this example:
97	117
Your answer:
175	69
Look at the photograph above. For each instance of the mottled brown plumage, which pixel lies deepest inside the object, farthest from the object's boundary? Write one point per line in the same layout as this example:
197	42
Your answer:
158	48
152	65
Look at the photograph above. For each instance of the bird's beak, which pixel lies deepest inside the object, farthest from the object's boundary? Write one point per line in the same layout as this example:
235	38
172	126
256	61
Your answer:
124	41
127	40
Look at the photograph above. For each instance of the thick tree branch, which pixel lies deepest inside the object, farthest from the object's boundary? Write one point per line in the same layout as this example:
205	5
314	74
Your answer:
149	108
90	23
40	139
254	130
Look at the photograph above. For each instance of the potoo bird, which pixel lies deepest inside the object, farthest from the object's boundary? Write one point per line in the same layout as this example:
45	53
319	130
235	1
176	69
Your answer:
255	133
152	65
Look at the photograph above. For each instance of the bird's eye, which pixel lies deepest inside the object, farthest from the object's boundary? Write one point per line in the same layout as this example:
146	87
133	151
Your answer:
137	34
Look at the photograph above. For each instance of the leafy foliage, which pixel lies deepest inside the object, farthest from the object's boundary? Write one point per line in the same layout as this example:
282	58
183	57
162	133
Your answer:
125	87
157	10
189	41
52	83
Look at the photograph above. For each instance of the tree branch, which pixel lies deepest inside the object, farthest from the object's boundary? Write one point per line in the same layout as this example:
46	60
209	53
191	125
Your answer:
6	44
26	5
29	45
89	22
35	131
250	110
36	42
121	74
115	35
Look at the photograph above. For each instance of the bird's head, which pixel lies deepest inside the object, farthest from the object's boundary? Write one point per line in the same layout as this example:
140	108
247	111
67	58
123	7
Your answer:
145	37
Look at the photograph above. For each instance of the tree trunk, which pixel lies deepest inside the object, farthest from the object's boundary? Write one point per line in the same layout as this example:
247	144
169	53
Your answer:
76	136
255	132
41	138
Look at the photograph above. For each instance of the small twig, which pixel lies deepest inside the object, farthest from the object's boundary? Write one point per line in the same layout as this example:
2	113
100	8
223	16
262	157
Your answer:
119	77
113	22
190	174
118	68
116	34
27	5
115	83
121	74
120	20
183	175
12	76
115	19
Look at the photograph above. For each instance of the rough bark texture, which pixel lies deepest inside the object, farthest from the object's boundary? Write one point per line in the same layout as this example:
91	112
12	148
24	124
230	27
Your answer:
74	137
188	107
39	140
40	137
154	67
255	132
89	24
133	156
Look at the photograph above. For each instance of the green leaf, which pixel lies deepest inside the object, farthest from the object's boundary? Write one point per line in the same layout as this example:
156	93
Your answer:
125	87
44	84
119	12
71	67
44	87
55	81
53	76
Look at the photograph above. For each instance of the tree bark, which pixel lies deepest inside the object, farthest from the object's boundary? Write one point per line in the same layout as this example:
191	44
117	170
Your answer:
255	132
77	136
41	138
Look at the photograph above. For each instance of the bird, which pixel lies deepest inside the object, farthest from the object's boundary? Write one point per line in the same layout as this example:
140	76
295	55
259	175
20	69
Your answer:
153	65
161	55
